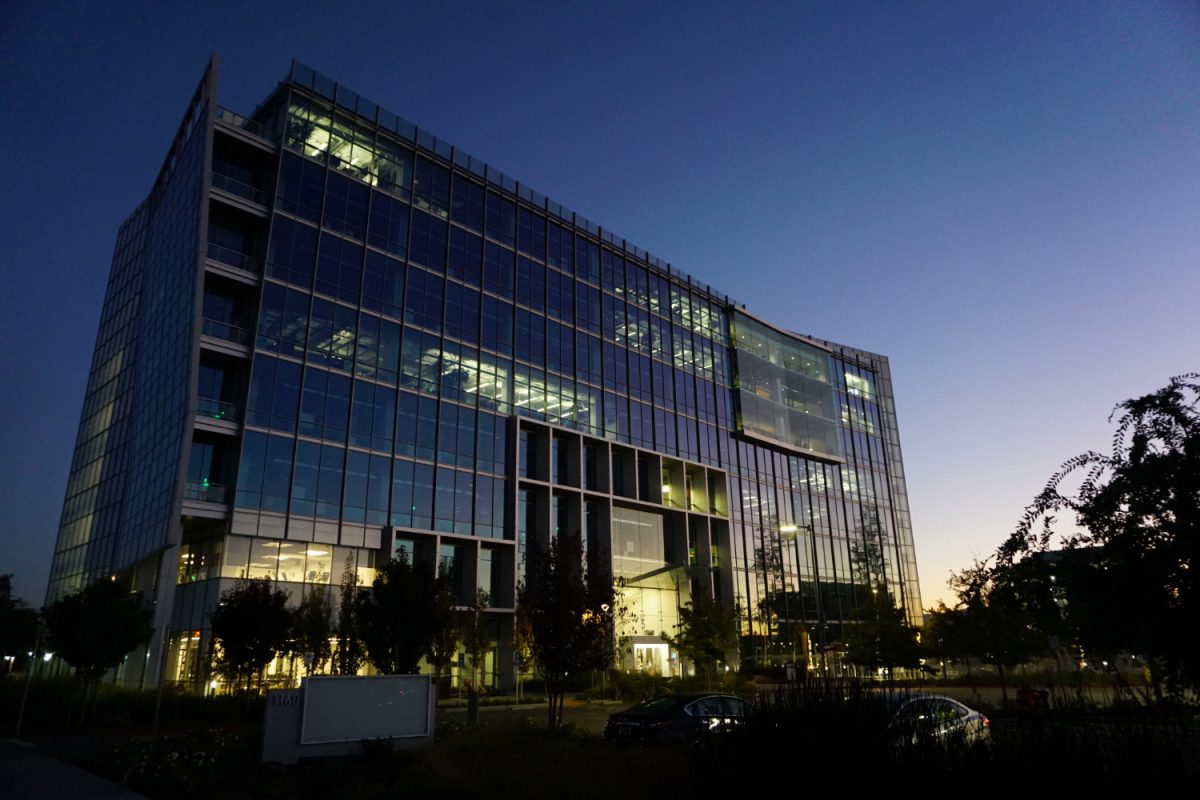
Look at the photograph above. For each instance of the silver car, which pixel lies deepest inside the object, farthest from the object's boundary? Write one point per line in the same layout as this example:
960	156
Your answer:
935	718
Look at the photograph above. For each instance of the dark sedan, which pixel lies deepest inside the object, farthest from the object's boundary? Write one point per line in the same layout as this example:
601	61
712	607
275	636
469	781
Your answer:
677	718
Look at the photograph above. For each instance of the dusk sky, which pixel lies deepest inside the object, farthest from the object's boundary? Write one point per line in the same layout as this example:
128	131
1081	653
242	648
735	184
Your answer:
1004	198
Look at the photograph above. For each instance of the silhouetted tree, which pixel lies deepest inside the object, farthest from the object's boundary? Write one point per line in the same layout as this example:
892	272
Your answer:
1139	507
881	637
348	655
95	628
444	645
250	627
708	632
946	637
398	616
570	616
476	635
997	624
522	636
18	626
313	628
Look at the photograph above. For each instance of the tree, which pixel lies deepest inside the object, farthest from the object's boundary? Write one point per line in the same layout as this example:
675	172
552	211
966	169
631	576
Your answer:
348	656
1139	508
570	616
250	627
94	629
522	636
708	631
398	617
444	646
476	635
946	636
997	623
312	629
882	638
18	625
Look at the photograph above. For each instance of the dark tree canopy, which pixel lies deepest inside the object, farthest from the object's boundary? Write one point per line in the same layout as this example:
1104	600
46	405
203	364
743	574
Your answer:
251	623
570	614
1139	510
399	618
881	637
348	656
708	632
93	629
312	628
18	623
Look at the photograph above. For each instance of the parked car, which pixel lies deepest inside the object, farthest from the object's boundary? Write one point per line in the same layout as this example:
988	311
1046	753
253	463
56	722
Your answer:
677	718
935	718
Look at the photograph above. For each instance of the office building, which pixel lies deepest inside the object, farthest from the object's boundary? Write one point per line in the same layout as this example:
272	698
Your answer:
328	334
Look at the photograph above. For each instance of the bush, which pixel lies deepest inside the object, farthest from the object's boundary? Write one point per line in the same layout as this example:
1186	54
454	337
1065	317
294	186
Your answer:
190	765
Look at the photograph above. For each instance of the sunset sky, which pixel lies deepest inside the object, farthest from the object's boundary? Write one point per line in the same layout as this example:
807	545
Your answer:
1002	197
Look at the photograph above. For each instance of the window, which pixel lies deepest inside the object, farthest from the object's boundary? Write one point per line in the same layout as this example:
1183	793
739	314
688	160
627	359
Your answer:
497	325
431	187
325	405
301	187
428	241
332	329
339	268
498	269
283	320
383	284
346	206
466	206
462	313
423	299
274	395
531	284
292	253
389	224
501	219
466	256
531	234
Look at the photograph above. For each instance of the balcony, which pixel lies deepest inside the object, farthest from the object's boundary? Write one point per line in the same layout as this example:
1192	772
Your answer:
205	492
225	330
227	183
245	123
218	410
234	258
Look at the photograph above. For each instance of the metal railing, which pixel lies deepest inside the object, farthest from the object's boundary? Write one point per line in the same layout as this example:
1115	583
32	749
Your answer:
205	492
242	189
226	331
238	121
217	409
234	258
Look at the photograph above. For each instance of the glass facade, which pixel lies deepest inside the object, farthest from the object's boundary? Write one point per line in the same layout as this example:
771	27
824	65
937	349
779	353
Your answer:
401	347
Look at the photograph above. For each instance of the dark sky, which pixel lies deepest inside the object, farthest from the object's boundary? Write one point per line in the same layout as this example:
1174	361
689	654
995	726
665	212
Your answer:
1002	197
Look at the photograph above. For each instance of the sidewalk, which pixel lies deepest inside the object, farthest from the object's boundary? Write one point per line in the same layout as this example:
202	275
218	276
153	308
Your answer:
27	773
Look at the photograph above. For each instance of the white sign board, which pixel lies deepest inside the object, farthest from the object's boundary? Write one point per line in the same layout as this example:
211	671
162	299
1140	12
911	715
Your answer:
354	708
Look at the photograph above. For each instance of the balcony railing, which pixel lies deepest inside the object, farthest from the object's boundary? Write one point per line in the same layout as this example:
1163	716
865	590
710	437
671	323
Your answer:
217	409
205	492
239	188
225	330
238	121
234	258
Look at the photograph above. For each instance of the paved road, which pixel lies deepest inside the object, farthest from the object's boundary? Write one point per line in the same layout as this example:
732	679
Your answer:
27	773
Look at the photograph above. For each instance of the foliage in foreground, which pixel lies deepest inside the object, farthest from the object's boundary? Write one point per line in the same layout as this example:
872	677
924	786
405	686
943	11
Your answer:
819	739
1129	578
